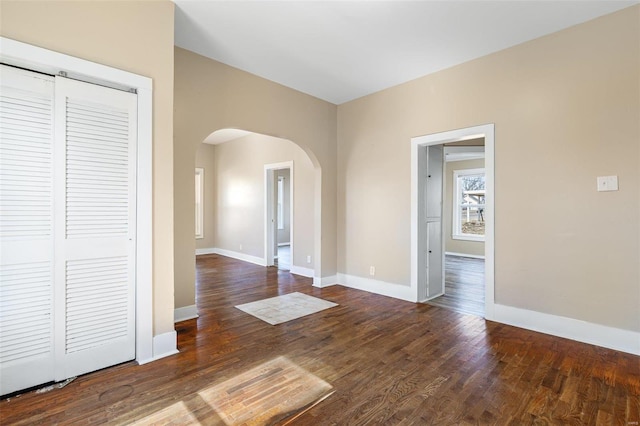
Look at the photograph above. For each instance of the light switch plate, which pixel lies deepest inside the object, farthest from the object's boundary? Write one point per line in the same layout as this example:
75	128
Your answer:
607	183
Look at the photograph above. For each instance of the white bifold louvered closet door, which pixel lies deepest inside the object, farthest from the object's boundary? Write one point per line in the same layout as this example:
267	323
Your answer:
67	212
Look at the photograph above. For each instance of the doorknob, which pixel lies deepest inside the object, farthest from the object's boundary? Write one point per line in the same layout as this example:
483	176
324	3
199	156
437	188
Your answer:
429	251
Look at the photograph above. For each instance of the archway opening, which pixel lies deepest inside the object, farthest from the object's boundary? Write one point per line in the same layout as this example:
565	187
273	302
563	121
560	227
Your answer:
238	213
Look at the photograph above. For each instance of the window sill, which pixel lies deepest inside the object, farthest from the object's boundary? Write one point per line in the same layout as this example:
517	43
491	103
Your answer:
468	237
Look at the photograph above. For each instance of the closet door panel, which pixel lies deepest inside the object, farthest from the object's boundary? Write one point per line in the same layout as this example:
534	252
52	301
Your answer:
26	229
95	226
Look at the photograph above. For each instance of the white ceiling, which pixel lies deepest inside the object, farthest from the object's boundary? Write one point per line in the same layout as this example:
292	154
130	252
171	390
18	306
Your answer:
342	50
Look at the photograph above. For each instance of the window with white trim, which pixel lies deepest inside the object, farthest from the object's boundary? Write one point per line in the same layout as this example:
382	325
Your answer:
468	204
199	203
280	202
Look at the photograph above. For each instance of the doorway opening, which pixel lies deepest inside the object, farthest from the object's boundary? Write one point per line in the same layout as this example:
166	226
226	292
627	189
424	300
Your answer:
436	218
464	203
279	214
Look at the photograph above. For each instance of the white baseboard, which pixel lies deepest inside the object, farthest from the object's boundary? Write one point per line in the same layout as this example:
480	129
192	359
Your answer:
210	250
322	282
241	256
299	270
164	345
233	254
473	256
378	287
569	328
185	313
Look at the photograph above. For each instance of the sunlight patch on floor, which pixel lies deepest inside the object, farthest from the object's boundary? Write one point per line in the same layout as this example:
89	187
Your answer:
276	391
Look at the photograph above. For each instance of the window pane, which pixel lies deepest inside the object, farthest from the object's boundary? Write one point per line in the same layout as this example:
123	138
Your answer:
199	205
469	204
280	202
472	219
472	182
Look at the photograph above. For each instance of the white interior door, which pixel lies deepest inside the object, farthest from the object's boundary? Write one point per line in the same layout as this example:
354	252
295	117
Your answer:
95	226
276	197
433	247
68	216
26	229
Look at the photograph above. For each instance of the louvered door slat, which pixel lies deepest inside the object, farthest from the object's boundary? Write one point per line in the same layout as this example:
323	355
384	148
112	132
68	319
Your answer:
111	152
99	313
94	276
96	139
15	331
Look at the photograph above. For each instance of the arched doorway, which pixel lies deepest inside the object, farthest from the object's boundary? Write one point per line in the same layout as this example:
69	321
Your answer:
236	168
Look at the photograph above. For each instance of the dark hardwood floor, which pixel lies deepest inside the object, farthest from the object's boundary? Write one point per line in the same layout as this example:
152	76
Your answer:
390	362
464	285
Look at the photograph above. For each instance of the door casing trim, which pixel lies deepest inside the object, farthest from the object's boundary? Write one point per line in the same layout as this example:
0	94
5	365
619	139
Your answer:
488	132
269	193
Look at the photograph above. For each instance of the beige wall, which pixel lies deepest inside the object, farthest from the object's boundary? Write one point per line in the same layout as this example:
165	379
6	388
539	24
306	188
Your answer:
566	109
210	96
240	200
205	159
135	37
452	245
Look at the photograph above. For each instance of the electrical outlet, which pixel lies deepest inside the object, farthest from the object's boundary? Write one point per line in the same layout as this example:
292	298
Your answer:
240	247
308	259
372	270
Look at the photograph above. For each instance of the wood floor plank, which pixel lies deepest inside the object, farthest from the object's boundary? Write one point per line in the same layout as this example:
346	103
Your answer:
389	362
464	285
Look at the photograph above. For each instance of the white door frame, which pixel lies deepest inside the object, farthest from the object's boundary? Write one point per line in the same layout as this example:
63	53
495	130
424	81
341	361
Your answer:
46	61
487	131
269	207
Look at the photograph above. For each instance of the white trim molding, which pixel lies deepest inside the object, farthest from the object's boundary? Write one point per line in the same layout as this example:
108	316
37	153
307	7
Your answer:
241	256
569	328
322	282
456	220
299	270
383	288
208	250
472	256
199	178
24	55
164	345
463	153
488	132
185	313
